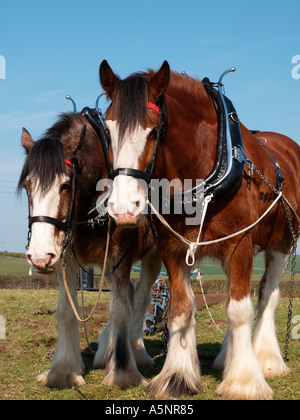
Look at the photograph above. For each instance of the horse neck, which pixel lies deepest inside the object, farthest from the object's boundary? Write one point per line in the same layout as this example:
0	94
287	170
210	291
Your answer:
189	147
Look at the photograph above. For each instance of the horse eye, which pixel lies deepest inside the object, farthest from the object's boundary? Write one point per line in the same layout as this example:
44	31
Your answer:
65	186
153	133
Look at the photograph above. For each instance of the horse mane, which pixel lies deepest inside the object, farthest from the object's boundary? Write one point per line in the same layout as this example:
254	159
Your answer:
46	158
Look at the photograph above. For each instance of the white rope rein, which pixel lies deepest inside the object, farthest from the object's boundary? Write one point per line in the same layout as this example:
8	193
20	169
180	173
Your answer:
192	246
199	278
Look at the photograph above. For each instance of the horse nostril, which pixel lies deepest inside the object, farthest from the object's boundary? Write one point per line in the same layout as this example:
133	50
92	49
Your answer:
51	261
138	203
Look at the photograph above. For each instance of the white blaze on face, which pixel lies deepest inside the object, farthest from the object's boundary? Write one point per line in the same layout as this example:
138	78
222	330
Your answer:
128	197
44	246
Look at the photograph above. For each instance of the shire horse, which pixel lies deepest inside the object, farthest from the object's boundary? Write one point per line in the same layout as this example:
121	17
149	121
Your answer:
58	195
187	150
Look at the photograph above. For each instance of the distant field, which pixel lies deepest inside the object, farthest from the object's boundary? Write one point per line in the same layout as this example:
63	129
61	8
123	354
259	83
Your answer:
12	265
209	267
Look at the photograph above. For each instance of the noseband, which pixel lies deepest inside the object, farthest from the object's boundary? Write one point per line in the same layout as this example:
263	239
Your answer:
60	225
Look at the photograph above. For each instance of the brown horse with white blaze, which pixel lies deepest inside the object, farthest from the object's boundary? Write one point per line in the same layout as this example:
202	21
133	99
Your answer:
187	150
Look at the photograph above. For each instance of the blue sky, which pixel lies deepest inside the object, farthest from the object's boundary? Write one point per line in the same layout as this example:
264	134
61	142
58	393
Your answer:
53	48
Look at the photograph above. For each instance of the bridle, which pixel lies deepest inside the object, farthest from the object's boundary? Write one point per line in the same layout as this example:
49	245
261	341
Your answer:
146	175
59	224
93	116
95	119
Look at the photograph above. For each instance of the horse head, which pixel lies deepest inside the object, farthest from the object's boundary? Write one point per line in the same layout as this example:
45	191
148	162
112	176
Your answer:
134	121
54	167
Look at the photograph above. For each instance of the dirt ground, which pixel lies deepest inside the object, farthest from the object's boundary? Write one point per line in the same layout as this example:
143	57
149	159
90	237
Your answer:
211	299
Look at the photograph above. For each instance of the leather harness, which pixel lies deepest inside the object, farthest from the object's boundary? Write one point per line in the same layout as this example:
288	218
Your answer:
218	183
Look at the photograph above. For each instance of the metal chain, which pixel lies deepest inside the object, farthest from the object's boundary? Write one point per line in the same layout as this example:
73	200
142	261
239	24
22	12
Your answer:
295	237
291	299
166	326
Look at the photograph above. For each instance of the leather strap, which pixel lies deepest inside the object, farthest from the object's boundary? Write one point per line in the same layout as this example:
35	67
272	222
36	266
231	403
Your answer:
45	219
132	172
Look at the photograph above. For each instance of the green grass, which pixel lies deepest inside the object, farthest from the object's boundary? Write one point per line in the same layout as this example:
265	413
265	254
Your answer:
12	265
31	334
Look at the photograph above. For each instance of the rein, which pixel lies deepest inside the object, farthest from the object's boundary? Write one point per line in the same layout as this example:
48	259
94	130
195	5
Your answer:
63	271
192	246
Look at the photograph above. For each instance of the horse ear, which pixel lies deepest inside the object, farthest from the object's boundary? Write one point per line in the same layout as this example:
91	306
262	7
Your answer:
27	141
108	79
160	81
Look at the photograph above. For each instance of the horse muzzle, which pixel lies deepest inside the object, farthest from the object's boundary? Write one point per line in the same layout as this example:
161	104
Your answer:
126	220
43	265
127	202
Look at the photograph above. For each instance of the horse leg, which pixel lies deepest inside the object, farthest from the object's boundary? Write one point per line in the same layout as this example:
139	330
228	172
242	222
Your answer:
151	266
67	367
265	342
243	376
101	356
121	369
181	371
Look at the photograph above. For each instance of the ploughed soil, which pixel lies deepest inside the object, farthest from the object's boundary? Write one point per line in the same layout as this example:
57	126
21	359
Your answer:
211	299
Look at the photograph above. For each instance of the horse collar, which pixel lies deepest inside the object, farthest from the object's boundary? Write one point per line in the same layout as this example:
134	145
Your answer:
95	119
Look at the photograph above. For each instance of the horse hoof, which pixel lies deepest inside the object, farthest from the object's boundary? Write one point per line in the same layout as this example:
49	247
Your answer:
59	381
123	379
253	390
273	366
173	386
43	377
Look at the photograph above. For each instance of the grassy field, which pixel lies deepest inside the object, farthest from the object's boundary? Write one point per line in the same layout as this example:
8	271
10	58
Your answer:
209	267
31	334
12	265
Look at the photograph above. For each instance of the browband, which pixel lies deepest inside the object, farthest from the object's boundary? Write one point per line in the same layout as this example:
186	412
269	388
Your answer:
69	163
154	107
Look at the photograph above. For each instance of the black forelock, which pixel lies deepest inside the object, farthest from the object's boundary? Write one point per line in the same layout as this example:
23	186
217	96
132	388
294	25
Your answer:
130	102
45	161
